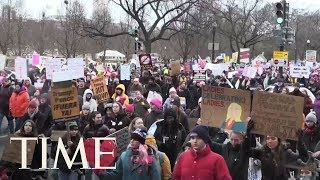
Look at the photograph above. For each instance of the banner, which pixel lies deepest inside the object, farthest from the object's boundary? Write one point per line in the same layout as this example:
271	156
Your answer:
12	151
20	68
3	61
175	68
225	108
64	103
123	138
244	55
277	114
145	61
76	67
311	55
125	72
100	89
299	72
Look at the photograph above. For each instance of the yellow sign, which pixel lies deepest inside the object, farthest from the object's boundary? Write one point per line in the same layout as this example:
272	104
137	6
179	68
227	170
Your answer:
234	57
280	54
227	59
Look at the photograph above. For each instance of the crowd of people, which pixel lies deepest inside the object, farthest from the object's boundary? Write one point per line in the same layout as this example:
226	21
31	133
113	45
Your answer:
164	144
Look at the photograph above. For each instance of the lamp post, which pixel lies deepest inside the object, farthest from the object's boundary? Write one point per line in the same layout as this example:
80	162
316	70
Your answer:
136	45
308	44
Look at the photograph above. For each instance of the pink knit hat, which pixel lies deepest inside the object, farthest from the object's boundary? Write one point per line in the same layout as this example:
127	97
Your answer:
157	102
130	108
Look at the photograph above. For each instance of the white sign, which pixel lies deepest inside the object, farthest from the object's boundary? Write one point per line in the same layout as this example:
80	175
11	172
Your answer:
299	72
311	55
76	67
52	65
21	69
217	69
249	72
125	72
2	61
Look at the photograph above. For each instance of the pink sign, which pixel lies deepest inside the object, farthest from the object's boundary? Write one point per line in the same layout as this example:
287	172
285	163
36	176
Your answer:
35	59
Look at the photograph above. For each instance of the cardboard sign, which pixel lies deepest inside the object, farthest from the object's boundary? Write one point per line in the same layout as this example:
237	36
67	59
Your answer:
175	68
100	89
55	134
20	67
12	151
145	61
311	55
123	138
125	72
244	55
277	114
64	103
225	108
76	67
300	71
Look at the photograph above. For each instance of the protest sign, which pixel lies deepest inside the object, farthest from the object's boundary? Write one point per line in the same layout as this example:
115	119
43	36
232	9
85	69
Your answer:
187	67
64	103
280	58
76	67
145	61
311	55
20	67
3	60
300	71
12	151
277	114
52	65
123	138
55	134
249	72
35	59
234	57
125	72
175	68
244	55
100	89
225	108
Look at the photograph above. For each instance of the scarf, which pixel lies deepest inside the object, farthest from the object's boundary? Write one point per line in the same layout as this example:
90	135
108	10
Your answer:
309	130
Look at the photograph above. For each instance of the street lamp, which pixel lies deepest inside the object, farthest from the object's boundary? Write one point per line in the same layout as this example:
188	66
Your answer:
308	43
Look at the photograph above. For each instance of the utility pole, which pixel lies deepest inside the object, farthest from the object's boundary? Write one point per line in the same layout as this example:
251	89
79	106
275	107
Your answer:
213	39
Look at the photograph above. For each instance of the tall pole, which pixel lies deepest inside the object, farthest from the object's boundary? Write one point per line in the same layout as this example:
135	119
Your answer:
285	26
213	39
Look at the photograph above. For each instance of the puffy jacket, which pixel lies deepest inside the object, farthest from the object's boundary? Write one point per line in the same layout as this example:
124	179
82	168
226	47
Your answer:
99	130
201	165
42	124
5	94
92	102
120	121
19	102
123	95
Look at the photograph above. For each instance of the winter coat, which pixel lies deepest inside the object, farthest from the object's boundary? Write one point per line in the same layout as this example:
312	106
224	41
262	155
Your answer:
154	87
316	108
201	165
176	136
31	90
183	119
152	117
120	121
123	95
311	138
126	170
237	159
99	130
43	125
92	102
133	88
5	94
19	102
83	122
141	107
186	94
165	90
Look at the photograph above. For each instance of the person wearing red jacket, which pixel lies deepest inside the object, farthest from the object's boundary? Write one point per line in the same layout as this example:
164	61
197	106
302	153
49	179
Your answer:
199	162
19	102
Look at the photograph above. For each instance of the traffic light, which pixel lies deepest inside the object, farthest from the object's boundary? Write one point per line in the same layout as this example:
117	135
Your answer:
136	33
280	13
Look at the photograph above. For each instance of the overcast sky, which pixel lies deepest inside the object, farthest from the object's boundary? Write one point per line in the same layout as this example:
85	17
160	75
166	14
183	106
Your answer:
52	7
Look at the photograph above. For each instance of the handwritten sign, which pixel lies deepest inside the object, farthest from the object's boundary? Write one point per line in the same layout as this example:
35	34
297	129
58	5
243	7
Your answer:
277	114
300	71
145	61
125	72
20	67
52	65
12	151
35	59
225	108
249	72
122	139
100	89
175	68
3	61
76	67
64	103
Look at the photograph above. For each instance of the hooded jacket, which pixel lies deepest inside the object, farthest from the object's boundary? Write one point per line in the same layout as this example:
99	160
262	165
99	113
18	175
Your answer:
123	95
19	102
92	102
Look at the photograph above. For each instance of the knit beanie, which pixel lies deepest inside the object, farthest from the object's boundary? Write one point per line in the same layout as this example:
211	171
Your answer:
122	100
33	104
172	90
86	106
130	108
312	117
139	135
157	102
73	126
202	132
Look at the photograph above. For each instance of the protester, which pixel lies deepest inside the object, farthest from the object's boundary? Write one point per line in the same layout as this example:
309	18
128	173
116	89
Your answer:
136	86
181	115
199	162
30	88
183	92
84	117
155	114
18	104
130	112
121	120
6	91
120	94
168	103
316	106
311	132
152	86
137	155
95	128
88	98
136	123
141	105
81	86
